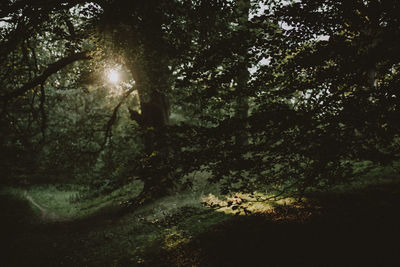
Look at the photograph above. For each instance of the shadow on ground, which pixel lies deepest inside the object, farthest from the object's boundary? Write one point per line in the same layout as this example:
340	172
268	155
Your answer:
350	229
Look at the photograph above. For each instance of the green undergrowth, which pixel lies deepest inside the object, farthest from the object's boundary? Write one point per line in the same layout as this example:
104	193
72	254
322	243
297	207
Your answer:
90	237
67	202
181	229
370	176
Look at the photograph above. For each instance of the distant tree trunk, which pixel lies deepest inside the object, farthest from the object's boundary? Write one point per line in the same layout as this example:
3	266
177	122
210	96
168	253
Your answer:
242	105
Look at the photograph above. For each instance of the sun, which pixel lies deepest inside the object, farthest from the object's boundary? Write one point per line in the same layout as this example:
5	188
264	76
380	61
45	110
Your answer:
113	76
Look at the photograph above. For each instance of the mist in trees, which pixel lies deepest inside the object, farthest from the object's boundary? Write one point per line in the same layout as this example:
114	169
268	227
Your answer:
285	95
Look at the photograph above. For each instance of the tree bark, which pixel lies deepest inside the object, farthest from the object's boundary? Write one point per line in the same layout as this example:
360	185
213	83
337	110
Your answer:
150	69
242	105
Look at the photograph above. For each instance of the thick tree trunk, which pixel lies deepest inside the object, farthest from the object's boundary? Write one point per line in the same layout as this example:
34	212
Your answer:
152	77
150	69
155	111
153	118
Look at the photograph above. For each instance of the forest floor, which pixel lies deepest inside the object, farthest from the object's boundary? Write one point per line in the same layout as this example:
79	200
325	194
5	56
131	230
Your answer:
357	226
46	215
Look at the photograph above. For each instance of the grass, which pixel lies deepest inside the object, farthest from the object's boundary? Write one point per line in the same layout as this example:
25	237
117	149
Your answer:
92	237
66	200
55	200
355	221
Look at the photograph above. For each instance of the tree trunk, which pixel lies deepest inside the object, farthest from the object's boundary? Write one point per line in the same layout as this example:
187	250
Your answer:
155	111
150	69
242	105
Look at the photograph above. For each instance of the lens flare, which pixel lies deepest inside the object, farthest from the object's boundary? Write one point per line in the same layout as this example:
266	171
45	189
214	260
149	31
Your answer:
113	76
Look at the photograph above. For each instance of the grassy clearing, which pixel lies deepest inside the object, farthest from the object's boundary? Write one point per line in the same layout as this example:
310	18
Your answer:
157	228
66	200
179	230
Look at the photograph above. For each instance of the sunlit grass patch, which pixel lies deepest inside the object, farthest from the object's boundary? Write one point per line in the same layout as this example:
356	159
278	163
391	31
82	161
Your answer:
66	202
248	204
174	237
300	207
55	200
115	198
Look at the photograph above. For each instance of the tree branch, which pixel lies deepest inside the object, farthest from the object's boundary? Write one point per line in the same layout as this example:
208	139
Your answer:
50	70
113	118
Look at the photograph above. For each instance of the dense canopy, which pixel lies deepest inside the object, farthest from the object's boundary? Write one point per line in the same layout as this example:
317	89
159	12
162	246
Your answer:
284	95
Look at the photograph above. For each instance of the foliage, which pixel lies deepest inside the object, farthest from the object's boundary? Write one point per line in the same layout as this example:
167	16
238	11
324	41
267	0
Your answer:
176	231
289	95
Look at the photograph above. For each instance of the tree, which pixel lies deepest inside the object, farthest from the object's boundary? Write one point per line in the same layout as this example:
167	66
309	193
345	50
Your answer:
339	58
40	50
322	91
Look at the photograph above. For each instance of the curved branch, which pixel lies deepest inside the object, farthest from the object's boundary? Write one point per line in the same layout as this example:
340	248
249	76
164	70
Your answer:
50	70
113	118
